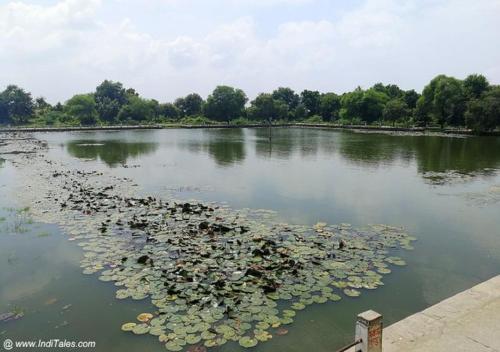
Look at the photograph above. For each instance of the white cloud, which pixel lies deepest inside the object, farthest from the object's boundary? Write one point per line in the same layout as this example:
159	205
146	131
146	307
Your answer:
61	49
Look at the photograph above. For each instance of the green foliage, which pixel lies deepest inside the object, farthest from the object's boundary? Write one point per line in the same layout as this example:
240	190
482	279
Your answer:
395	110
483	114
330	106
137	110
55	118
287	96
83	108
315	119
16	106
311	101
169	111
266	108
475	85
241	121
195	120
110	97
443	101
446	101
225	103
190	105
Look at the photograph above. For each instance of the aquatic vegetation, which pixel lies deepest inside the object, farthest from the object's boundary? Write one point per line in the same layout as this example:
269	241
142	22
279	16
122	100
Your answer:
215	275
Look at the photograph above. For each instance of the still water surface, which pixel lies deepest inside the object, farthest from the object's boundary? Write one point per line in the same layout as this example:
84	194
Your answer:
306	176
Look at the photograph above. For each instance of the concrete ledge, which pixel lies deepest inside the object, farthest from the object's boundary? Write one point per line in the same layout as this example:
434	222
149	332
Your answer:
466	322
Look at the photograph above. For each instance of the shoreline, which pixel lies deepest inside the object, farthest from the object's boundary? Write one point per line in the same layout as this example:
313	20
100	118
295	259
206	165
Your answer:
422	130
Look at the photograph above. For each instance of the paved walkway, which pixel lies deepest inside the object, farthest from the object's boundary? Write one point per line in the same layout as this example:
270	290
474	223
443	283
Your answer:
468	322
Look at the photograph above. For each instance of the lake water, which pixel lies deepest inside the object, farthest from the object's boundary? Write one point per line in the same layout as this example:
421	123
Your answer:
443	190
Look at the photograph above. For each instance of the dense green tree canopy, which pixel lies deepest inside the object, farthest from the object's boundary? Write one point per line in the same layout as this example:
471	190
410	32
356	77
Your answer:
110	97
329	106
265	107
395	110
169	111
311	101
225	103
190	105
137	110
16	105
475	85
83	107
287	96
483	113
445	101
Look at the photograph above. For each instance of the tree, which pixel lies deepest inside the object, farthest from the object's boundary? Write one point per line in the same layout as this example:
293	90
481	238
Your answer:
483	114
190	105
443	100
169	111
475	85
265	107
225	103
449	102
137	109
411	97
311	101
83	108
41	104
329	106
391	90
351	104
372	105
395	110
16	105
110	97
287	96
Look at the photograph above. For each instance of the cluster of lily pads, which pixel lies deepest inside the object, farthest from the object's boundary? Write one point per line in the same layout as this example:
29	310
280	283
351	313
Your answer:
214	274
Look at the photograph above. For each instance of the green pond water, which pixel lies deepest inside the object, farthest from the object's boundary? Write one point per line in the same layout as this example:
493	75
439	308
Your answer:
443	190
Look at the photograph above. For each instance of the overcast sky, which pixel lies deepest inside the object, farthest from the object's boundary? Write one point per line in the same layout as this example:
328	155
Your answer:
169	48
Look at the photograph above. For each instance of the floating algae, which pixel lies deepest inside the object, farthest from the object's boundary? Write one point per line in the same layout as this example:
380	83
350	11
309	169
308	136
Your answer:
215	275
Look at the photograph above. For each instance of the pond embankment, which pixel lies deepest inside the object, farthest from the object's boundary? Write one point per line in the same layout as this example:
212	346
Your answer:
453	131
468	321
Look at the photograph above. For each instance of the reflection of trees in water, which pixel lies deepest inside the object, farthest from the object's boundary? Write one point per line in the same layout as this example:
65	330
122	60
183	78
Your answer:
472	155
2	161
225	146
286	141
112	152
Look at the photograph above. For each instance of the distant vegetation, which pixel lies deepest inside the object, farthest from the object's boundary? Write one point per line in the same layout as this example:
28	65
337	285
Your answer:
444	102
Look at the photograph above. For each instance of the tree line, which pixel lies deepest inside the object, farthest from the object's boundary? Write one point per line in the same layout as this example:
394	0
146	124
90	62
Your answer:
445	101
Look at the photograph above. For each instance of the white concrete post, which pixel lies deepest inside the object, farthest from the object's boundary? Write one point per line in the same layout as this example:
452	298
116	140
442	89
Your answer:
369	330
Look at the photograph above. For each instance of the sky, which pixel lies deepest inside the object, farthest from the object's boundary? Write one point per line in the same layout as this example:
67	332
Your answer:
169	48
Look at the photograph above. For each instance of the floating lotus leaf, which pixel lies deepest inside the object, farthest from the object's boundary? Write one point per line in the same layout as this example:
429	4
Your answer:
351	292
281	331
320	299
128	326
140	329
173	346
207	335
210	343
298	306
144	317
262	335
395	261
156	330
286	320
262	325
248	342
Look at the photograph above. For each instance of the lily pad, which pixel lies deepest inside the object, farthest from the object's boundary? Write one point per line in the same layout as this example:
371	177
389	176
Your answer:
248	342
